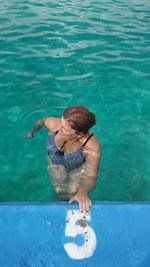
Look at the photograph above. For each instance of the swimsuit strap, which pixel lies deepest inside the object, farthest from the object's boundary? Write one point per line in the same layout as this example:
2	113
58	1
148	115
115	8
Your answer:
62	144
81	145
87	140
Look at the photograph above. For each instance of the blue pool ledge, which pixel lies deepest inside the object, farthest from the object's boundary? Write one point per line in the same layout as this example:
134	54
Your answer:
113	234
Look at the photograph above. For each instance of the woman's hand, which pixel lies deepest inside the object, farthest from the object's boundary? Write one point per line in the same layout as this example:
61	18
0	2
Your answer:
83	200
29	135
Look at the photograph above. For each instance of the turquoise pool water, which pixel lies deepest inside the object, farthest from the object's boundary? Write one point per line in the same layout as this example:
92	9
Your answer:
92	53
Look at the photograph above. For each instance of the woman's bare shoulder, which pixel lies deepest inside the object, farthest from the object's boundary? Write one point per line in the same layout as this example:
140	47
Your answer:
52	124
93	145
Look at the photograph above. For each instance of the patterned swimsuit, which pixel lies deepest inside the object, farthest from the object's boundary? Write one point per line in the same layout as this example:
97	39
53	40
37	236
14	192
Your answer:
70	160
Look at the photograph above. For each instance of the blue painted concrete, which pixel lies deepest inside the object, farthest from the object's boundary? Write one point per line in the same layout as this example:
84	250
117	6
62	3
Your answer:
33	235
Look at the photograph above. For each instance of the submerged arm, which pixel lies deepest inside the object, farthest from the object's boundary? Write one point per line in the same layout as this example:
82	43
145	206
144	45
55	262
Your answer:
36	128
50	123
92	165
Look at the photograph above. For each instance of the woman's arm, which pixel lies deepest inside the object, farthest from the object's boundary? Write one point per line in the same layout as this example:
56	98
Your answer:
51	124
92	165
36	128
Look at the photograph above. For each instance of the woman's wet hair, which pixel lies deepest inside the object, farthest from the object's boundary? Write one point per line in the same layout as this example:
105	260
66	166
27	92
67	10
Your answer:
80	118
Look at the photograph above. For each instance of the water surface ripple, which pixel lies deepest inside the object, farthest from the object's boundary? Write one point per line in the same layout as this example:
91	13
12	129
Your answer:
92	53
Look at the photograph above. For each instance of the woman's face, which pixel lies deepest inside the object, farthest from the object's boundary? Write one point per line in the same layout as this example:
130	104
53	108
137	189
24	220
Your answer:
66	129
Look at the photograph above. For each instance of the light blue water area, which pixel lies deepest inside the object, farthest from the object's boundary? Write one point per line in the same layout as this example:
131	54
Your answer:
54	54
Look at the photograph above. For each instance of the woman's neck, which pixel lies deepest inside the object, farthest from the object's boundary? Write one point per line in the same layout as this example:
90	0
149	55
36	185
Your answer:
77	138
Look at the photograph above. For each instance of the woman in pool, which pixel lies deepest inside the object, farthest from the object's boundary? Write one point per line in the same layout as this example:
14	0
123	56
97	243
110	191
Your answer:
73	154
